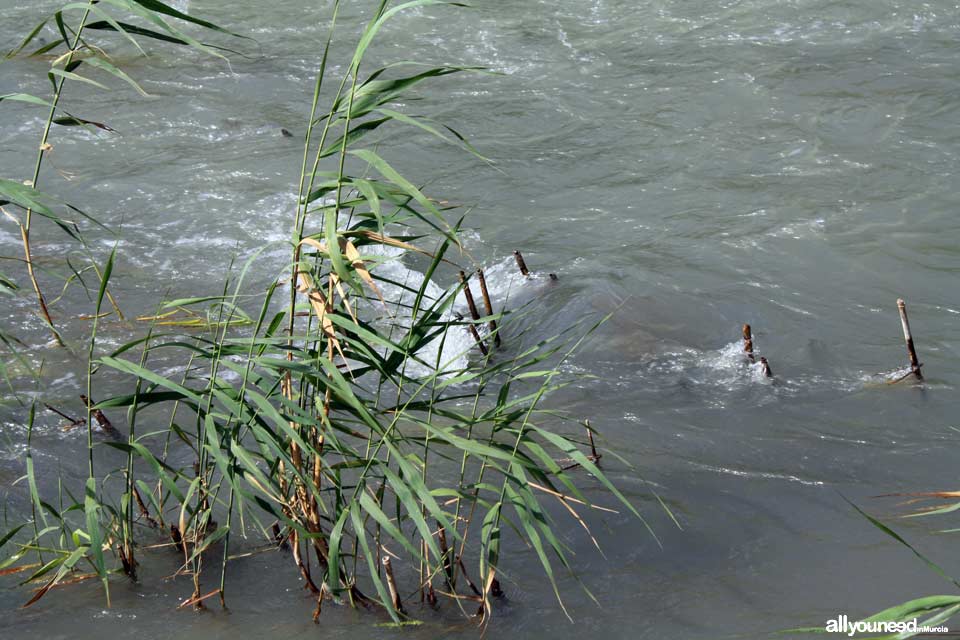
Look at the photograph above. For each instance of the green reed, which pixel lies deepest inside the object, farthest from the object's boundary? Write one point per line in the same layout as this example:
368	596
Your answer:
319	421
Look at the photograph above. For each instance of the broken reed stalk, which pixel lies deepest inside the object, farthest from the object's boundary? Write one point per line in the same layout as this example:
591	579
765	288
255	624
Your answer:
41	300
593	446
445	552
127	562
748	342
476	335
100	417
278	536
74	422
177	539
392	584
520	263
463	572
144	512
468	294
748	349
290	374
488	306
318	610
765	366
908	338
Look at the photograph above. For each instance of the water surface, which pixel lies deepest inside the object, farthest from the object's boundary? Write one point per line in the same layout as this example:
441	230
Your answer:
689	165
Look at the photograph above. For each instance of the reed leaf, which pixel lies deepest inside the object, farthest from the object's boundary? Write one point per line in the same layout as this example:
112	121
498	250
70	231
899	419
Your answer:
346	414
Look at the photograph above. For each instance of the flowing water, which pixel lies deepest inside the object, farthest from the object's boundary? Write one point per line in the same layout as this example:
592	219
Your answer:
689	166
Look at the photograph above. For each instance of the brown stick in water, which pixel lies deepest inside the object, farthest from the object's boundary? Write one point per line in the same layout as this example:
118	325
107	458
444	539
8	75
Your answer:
178	542
476	336
127	561
445	552
593	447
143	509
908	338
748	342
303	566
495	589
278	536
73	421
488	306
468	294
392	584
318	609
463	572
766	368
99	416
520	263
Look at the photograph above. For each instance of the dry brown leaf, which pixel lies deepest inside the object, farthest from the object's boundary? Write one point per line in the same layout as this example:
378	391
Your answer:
187	603
320	308
354	256
335	279
924	494
6	572
349	250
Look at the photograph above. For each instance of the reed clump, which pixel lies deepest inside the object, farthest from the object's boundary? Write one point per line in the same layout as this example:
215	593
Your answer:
340	415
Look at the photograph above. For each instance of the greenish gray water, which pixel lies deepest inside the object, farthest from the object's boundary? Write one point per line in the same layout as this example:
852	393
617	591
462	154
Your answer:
692	166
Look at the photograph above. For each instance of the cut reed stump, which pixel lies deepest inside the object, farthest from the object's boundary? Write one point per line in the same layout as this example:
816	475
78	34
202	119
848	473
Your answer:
445	553
765	366
463	572
105	425
474	314
144	512
520	263
125	553
594	456
908	338
179	545
279	537
488	306
468	294
748	349
748	342
392	585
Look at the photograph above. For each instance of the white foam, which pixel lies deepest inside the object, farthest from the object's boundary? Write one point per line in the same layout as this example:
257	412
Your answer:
446	353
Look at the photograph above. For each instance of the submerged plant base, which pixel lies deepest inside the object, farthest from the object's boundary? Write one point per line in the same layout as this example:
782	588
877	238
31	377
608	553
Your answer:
343	414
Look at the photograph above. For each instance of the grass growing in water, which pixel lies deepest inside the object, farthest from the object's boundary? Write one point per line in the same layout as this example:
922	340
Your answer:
337	416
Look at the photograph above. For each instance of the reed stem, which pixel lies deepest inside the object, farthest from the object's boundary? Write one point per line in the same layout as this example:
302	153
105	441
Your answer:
25	228
521	264
489	307
392	585
748	342
908	339
468	294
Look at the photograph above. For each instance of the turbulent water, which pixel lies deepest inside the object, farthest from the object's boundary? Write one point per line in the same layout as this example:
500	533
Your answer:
689	166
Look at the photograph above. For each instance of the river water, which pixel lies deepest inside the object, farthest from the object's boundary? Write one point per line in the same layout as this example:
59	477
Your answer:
690	166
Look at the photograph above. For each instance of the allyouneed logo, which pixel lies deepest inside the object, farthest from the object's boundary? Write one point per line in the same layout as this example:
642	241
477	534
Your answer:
843	624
